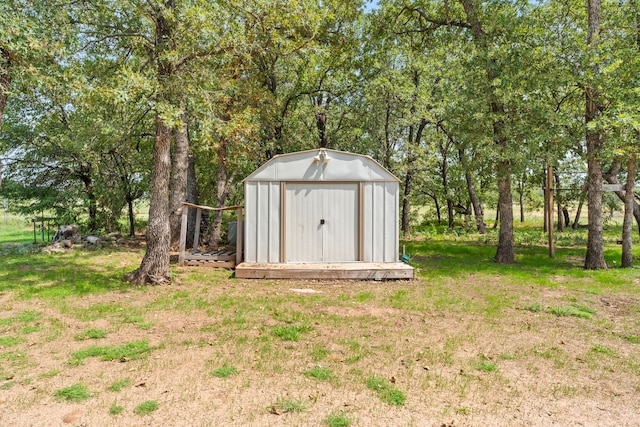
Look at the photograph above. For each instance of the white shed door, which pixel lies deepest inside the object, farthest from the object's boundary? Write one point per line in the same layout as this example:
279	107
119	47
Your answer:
321	222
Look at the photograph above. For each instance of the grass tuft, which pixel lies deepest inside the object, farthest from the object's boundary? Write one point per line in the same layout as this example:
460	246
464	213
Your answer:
119	385
387	392
635	339
225	371
145	408
319	373
91	334
115	409
75	393
598	348
290	332
284	405
338	419
575	310
486	366
534	308
129	351
10	341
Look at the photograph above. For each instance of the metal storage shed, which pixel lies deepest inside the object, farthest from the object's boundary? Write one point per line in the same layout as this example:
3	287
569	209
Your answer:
321	214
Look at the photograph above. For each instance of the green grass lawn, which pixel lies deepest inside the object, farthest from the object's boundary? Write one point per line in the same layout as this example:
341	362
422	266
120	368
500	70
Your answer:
16	232
470	342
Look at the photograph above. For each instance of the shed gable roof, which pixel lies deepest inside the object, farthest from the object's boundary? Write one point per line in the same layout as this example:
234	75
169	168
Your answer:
312	165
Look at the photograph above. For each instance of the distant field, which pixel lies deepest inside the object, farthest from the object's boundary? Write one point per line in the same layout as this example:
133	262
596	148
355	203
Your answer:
15	229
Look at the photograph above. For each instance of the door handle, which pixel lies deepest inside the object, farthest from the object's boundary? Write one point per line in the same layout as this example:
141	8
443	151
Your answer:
322	222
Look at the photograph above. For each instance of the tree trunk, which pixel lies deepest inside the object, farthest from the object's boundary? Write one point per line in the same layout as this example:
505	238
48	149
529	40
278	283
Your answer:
521	199
505	253
406	198
627	225
497	221
450	214
546	208
576	221
322	106
560	218
559	204
595	251
435	201
567	219
444	174
179	164
132	217
473	196
192	197
612	178
408	178
223	186
154	268
387	137
5	83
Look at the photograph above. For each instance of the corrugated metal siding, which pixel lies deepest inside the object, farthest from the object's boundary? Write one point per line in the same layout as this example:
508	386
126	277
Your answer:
339	176
262	222
381	222
340	232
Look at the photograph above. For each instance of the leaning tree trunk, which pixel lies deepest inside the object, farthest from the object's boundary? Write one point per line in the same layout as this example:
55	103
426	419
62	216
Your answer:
154	268
567	219
437	206
473	196
576	221
180	165
595	247
627	225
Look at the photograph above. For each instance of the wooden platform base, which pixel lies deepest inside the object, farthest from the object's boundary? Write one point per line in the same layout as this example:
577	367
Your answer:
210	264
350	270
213	259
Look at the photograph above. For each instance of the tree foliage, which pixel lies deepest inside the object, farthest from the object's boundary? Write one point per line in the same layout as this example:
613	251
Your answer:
466	102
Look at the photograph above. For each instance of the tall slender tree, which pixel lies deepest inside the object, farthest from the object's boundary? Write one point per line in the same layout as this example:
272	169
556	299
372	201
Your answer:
595	252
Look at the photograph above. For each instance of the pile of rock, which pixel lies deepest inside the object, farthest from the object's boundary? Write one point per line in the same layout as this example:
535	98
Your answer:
68	237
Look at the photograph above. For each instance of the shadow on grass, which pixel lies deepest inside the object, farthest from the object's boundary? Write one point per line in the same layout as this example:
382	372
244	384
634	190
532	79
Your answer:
59	275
